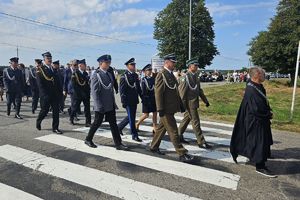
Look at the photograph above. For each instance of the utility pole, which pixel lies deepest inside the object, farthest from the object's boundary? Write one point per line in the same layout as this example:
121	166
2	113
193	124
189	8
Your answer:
190	31
17	52
295	83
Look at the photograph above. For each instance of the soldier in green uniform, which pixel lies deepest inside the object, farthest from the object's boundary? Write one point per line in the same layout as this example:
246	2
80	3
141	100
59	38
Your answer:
190	91
168	102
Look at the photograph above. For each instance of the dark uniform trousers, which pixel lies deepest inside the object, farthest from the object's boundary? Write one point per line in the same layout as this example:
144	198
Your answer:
35	99
168	124
192	115
75	104
111	118
45	103
14	98
131	112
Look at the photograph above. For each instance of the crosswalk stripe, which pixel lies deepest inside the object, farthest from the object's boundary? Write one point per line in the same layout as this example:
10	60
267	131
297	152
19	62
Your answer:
10	193
108	183
198	173
207	122
216	140
206	129
168	146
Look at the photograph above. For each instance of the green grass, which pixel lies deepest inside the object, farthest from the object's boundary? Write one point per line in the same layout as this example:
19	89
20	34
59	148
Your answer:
225	101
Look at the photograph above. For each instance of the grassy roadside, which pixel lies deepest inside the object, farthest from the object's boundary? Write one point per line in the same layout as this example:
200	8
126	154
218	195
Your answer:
225	101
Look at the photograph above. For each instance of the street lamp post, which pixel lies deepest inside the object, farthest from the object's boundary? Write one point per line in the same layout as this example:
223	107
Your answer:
190	31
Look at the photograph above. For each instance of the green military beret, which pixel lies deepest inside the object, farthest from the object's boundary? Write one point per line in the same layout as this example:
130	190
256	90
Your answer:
192	61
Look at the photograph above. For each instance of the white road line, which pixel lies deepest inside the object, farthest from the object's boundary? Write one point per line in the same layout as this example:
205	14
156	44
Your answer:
205	129
216	140
10	193
208	122
224	156
198	173
108	183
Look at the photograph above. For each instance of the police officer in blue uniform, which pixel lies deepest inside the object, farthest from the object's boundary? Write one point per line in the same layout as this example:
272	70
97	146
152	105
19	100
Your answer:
81	93
148	100
33	84
104	103
60	74
130	90
50	92
13	82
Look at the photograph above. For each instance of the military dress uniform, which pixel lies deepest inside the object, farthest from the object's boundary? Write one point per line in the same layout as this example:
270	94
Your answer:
190	91
104	105
81	93
34	87
68	86
148	96
50	92
168	103
14	83
130	90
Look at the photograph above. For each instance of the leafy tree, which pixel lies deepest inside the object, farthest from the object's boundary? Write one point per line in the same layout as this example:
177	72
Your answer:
276	48
171	30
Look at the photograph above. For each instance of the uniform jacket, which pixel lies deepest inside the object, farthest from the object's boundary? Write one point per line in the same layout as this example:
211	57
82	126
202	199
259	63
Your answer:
130	96
13	80
189	92
81	85
167	99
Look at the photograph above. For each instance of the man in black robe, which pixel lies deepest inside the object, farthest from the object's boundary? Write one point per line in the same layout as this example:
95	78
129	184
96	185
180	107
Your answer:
252	135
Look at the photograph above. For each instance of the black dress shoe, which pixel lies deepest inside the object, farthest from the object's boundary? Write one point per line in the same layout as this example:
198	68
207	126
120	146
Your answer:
18	116
182	140
57	131
72	122
157	151
121	133
88	125
137	139
90	144
186	158
8	112
122	147
205	146
33	111
266	172
38	127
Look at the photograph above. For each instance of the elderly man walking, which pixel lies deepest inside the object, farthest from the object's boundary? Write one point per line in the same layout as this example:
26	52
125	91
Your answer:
252	135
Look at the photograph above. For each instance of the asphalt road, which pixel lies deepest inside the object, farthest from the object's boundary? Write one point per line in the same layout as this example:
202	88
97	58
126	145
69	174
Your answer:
41	165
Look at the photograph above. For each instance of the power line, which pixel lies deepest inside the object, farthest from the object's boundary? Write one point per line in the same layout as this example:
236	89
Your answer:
72	30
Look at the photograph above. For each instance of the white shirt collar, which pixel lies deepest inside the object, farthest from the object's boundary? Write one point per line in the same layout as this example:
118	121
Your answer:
130	72
105	71
81	71
170	71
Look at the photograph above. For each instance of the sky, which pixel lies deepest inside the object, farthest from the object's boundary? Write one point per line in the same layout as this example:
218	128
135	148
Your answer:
127	27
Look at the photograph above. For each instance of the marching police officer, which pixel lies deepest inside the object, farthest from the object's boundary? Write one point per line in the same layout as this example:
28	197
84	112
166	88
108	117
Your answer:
148	97
104	103
81	93
33	84
68	87
190	91
60	74
14	83
168	102
50	92
130	90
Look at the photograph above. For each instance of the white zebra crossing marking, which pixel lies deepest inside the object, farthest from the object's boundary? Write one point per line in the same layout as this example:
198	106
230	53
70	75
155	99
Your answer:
206	129
198	173
10	193
212	139
224	156
108	183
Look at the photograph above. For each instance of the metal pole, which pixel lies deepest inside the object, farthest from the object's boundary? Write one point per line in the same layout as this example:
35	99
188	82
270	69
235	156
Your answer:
190	31
17	52
295	83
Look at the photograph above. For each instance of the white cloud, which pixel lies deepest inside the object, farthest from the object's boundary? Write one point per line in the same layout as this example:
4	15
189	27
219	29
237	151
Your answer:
230	23
219	9
132	18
